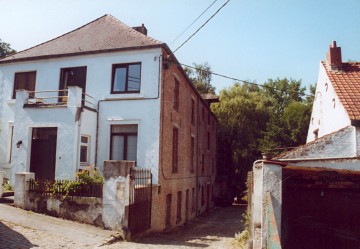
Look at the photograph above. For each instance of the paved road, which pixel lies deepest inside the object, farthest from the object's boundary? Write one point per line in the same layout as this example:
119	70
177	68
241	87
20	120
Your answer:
23	229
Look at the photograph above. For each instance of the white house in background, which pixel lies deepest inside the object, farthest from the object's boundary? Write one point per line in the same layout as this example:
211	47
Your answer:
315	187
106	91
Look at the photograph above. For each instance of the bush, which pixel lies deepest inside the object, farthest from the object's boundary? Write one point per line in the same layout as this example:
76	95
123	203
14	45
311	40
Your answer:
7	186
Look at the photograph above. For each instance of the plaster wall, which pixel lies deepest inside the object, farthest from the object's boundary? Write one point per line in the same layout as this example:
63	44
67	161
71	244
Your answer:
63	118
328	114
142	107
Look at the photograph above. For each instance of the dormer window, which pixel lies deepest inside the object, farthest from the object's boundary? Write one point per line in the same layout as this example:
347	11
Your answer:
126	78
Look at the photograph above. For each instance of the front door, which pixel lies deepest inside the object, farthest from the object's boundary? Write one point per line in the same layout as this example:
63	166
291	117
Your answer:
43	153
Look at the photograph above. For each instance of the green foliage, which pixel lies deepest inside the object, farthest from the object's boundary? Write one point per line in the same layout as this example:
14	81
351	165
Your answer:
5	49
254	120
90	175
7	186
201	77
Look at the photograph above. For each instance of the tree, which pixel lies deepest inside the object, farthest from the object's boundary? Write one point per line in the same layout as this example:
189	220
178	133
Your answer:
289	115
201	77
242	113
5	49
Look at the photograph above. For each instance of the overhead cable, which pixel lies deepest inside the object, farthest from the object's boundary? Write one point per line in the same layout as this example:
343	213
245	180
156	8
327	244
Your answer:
201	26
193	22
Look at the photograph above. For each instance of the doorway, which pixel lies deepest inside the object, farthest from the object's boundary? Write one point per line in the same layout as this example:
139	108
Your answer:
43	153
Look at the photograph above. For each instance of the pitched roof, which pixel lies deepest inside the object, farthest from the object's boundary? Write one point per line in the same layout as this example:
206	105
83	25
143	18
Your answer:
104	34
346	83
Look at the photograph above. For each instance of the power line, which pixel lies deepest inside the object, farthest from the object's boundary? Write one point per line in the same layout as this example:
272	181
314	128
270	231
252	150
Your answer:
193	22
201	26
235	79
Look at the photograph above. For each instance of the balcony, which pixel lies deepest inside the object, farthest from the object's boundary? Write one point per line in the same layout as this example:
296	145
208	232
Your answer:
58	98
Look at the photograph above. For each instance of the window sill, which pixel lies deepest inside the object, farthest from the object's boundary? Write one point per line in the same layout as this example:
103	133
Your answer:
125	96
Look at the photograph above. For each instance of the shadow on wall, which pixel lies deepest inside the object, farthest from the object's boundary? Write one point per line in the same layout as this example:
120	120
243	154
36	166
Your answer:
12	239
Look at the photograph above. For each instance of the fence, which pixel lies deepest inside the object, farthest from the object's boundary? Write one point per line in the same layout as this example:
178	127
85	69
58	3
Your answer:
65	188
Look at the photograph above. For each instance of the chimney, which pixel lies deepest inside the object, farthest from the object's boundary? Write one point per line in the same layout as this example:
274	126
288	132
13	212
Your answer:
333	57
142	29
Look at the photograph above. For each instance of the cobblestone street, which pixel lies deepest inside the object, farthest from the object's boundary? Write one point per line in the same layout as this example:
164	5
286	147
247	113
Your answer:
22	229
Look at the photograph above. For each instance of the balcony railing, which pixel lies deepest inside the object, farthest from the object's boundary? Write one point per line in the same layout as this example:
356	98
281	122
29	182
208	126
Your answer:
52	98
48	98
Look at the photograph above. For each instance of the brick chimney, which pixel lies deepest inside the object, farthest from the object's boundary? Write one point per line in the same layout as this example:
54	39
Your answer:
142	29
333	57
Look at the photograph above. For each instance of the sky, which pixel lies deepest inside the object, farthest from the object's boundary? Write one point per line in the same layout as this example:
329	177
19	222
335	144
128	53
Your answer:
252	40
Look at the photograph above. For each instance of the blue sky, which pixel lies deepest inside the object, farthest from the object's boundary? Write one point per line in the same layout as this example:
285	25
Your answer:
250	40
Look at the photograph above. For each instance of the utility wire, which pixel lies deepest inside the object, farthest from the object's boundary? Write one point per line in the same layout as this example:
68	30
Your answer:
193	21
235	79
201	26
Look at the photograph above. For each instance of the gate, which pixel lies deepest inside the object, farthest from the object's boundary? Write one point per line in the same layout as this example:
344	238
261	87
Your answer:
140	199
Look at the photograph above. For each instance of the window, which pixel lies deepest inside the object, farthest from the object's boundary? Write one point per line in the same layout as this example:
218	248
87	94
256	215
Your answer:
202	163
176	94
168	210
84	150
208	140
123	142
192	111
175	150
178	209
202	195
24	81
126	78
192	154
193	200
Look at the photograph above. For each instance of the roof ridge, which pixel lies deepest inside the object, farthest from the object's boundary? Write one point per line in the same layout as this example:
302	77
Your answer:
57	36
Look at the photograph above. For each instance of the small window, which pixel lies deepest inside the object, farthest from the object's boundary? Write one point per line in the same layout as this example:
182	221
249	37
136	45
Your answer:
84	150
192	154
168	210
193	200
178	209
126	78
202	163
175	150
25	81
176	94
208	141
192	111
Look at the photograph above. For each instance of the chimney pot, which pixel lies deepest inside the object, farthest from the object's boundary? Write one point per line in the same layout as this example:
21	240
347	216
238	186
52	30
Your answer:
142	29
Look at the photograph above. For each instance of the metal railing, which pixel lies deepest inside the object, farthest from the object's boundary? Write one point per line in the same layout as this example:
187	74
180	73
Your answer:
46	98
89	101
65	188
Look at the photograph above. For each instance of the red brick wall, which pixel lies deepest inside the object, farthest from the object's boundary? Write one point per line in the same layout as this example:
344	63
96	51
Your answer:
184	179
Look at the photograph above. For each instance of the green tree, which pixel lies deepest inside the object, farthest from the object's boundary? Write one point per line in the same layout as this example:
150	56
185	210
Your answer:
289	115
5	49
242	113
201	77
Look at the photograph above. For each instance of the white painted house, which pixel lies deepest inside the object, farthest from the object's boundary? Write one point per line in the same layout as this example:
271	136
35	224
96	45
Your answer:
71	131
106	91
315	187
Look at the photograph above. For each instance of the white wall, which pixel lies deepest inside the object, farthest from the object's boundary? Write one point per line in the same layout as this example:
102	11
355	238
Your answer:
328	114
123	108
